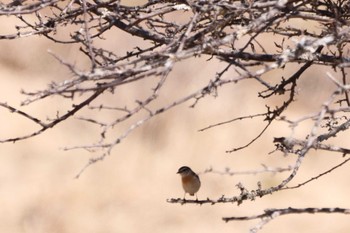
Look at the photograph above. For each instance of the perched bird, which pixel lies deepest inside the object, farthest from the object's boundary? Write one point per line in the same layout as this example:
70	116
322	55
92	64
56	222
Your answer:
190	181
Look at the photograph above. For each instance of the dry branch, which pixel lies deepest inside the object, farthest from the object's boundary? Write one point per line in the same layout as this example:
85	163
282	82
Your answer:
230	31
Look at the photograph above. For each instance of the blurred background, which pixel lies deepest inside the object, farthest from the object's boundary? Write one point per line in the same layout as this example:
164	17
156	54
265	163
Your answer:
127	191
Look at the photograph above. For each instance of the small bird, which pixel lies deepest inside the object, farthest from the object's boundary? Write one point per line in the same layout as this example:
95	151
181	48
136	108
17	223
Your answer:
190	181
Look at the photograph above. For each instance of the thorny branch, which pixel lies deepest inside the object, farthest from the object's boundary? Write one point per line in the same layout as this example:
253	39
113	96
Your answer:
245	194
232	32
264	169
270	214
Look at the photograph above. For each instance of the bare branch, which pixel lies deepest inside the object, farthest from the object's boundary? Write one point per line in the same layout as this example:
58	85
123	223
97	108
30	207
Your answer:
270	214
264	169
318	176
47	126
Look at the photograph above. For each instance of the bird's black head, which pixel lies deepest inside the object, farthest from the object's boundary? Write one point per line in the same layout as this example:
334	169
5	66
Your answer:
184	170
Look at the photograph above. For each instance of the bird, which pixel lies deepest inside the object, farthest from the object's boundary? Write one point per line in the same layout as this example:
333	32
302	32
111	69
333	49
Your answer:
190	181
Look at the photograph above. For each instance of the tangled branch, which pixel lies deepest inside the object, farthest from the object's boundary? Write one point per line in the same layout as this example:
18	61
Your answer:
232	32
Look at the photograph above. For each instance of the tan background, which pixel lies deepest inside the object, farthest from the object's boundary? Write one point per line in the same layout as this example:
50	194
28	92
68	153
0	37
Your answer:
127	192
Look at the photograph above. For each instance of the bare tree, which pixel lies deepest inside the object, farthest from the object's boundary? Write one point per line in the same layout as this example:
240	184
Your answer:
233	32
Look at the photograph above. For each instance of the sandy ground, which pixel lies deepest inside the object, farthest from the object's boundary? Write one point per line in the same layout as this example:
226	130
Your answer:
127	192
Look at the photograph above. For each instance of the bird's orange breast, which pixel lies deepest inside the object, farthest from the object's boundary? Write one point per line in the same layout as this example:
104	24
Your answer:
187	179
191	184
